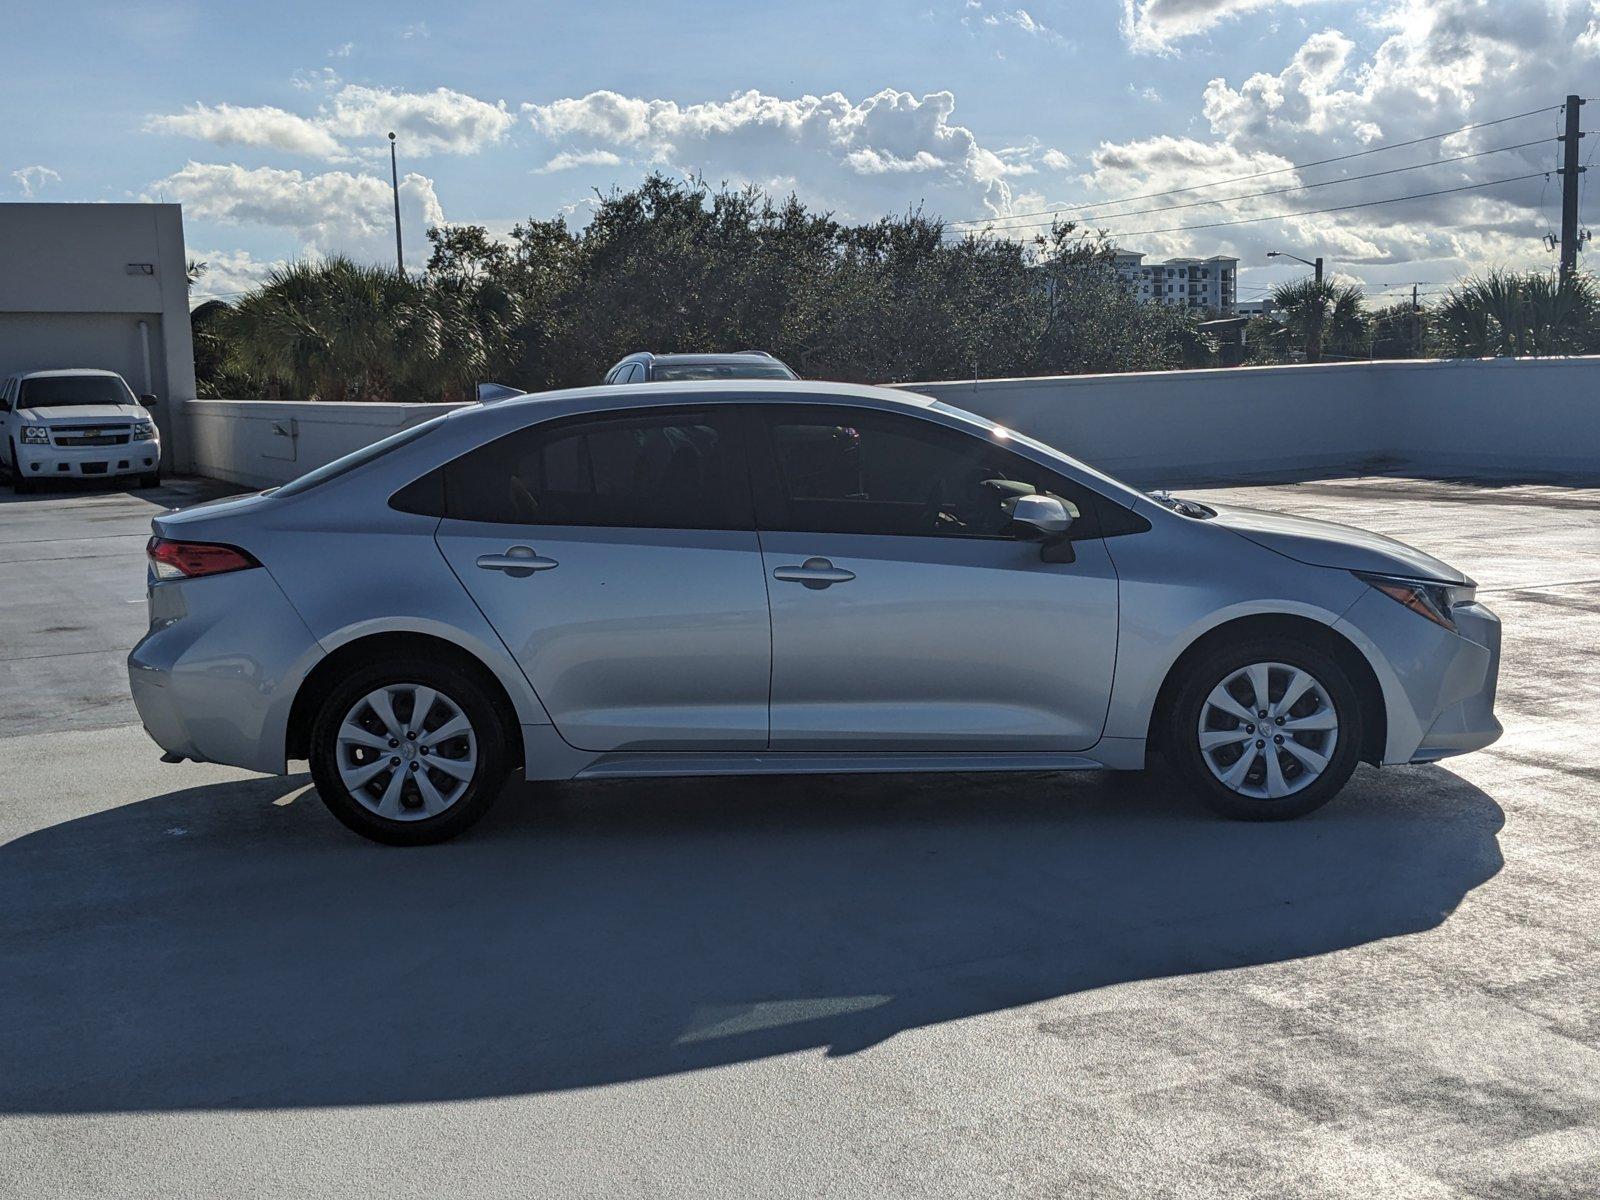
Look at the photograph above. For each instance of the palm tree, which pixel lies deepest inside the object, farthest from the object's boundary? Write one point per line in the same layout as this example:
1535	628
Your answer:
1321	312
1510	313
328	330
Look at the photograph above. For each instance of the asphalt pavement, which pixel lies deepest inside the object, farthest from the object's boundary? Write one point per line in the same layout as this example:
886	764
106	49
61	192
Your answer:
974	986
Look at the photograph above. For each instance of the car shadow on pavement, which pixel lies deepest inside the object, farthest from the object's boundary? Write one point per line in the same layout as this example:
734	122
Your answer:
232	947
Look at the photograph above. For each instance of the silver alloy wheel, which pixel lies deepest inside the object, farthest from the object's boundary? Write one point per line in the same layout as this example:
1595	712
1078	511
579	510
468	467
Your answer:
1268	730
406	752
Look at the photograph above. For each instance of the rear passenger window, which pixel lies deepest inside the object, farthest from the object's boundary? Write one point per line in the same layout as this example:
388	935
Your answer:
662	471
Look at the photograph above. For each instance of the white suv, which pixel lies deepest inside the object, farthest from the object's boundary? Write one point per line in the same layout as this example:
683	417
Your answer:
76	424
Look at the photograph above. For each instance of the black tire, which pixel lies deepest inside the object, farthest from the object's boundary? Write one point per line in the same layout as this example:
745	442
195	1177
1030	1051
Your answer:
1181	732
150	481
466	690
20	485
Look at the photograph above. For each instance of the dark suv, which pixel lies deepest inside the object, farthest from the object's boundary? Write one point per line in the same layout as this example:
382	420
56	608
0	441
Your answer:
645	367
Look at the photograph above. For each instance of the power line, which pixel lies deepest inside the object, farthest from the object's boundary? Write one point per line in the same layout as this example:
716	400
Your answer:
1312	212
1321	162
1302	187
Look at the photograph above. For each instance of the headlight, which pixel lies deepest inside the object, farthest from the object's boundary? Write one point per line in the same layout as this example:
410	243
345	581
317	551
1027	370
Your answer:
35	435
1424	597
143	431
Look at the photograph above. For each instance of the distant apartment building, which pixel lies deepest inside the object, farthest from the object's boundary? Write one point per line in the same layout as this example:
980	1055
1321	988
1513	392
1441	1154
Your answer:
1206	283
1255	308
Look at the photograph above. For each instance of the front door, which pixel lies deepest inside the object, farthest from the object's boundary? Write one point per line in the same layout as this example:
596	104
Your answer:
907	612
616	558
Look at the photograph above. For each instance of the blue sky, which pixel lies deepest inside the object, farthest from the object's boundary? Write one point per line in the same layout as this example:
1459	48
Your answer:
267	121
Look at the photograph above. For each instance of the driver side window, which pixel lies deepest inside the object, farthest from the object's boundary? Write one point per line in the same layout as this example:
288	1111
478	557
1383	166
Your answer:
861	471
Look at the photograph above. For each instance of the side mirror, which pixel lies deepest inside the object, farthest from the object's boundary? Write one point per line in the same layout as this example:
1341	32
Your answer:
148	400
1043	513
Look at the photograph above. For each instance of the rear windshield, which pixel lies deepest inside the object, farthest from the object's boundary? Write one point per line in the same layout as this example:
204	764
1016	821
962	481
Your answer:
361	457
673	372
66	391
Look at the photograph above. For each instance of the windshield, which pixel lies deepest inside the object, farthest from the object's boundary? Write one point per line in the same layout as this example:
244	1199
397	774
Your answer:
350	462
673	372
1022	439
69	391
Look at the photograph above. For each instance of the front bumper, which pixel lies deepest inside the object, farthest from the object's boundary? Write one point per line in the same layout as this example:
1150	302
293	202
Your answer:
1438	686
40	462
215	676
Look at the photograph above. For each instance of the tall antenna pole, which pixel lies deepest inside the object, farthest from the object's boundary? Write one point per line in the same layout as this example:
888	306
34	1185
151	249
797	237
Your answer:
394	179
1570	170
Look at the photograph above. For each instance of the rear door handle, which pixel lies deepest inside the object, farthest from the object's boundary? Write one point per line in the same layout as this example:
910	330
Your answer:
814	573
518	562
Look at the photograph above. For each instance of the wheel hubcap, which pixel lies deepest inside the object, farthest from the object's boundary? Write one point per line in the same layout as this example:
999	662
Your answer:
406	752
1288	702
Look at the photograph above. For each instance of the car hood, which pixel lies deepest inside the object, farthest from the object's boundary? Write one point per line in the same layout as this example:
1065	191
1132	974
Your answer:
77	414
1326	544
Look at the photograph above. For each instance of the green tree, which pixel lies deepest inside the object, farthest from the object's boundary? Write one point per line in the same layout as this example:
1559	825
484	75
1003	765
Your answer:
1509	313
1323	317
1398	330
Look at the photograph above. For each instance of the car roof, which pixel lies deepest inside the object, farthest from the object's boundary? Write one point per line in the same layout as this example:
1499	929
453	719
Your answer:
718	357
610	397
61	371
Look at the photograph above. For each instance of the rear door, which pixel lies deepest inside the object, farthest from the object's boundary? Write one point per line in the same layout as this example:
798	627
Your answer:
617	559
908	614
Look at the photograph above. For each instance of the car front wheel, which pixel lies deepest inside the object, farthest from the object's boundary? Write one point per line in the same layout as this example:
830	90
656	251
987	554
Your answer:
409	753
1265	730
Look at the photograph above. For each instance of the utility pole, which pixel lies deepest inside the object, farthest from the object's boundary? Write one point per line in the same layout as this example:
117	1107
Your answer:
1416	325
394	179
1317	267
1570	170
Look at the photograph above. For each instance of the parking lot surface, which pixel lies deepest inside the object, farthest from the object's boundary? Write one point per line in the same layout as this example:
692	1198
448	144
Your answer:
1047	985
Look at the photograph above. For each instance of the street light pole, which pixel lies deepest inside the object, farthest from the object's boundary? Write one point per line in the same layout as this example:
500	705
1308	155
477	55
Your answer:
1315	266
394	179
1314	328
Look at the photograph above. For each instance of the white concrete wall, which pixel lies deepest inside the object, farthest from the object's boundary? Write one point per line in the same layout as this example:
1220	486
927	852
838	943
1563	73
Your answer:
67	299
1174	427
259	443
1527	415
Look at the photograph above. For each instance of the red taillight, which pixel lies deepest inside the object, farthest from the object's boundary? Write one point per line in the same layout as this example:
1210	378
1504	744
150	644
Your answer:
188	560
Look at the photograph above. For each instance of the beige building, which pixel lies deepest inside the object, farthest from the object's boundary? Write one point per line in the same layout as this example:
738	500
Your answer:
1206	283
101	285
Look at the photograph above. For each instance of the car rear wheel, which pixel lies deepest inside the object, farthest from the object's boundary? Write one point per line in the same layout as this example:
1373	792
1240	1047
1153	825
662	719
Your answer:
1265	730
408	753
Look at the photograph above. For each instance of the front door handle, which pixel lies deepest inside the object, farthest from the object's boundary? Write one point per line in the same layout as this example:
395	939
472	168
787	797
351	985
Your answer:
518	562
815	573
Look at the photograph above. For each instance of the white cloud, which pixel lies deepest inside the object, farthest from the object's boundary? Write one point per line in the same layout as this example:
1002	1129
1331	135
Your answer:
569	159
319	79
31	179
342	50
1152	26
1432	65
415	30
229	273
262	125
442	121
855	157
1055	160
976	16
334	212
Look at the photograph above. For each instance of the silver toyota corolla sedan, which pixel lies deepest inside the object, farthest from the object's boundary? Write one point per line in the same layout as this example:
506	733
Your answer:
764	578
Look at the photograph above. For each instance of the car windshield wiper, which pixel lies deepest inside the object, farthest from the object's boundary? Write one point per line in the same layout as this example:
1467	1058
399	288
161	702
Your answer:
1187	508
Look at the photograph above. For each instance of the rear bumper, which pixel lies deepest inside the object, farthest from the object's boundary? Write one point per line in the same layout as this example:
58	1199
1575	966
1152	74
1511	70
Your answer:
88	462
215	676
1438	687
